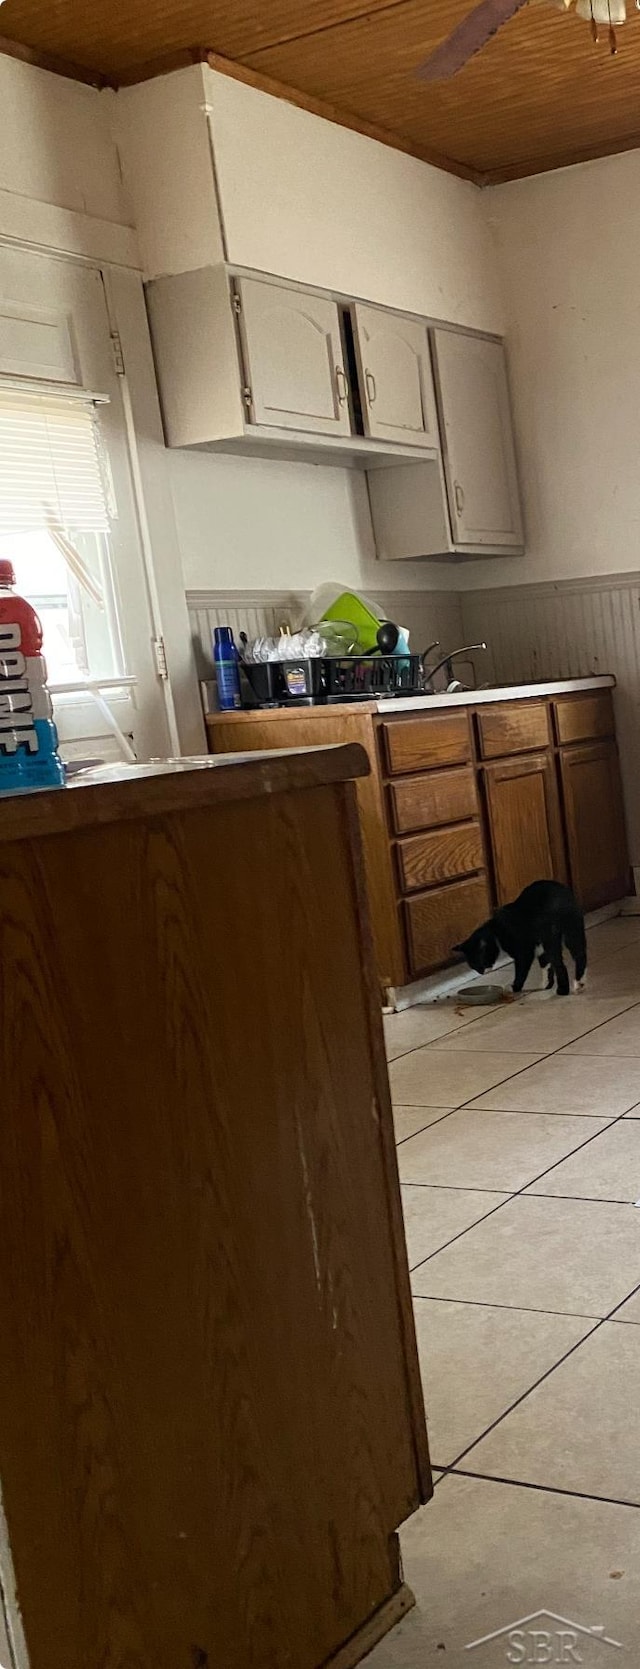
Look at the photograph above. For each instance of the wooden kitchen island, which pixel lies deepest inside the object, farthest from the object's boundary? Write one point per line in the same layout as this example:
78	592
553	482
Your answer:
470	797
211	1419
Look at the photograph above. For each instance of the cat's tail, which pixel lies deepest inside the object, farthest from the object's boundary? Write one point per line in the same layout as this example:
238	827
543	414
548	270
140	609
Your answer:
575	939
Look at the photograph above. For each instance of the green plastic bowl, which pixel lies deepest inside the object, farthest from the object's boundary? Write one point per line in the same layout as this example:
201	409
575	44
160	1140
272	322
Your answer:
348	606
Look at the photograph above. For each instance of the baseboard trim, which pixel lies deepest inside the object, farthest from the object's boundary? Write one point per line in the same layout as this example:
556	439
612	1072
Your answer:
373	1631
444	986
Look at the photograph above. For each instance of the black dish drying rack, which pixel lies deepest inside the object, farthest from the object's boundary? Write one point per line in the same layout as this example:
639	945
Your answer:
329	678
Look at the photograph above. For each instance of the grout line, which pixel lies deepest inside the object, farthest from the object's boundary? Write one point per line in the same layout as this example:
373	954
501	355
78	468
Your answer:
559	1050
414	1266
446	1113
545	1489
517	1193
467	1188
613	1313
582	1199
540	1381
529	1112
454	1468
534	1387
529	1309
474	1020
504	1008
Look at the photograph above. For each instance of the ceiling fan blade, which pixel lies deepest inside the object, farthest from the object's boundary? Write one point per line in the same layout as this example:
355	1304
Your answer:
470	36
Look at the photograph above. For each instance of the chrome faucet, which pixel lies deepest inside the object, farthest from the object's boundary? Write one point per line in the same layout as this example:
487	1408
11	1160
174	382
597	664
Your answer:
428	676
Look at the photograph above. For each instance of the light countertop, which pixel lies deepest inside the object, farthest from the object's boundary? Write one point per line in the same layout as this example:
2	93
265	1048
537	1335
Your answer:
505	692
417	703
117	793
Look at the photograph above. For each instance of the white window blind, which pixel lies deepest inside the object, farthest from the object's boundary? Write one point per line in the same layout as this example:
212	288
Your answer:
52	470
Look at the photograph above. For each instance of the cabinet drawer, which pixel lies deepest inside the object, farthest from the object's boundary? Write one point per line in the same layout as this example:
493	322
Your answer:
437	797
424	743
426	859
436	921
513	728
585	718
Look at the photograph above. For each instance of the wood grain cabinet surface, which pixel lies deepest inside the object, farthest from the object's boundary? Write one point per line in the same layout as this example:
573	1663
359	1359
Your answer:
434	798
524	823
440	918
211	1417
594	820
512	728
439	855
584	718
423	743
468	805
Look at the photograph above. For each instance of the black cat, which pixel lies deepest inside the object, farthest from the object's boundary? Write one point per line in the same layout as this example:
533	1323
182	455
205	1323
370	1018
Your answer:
545	916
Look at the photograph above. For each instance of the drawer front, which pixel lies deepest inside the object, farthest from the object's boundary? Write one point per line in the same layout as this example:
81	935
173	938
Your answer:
427	859
513	728
438	797
438	920
585	718
423	744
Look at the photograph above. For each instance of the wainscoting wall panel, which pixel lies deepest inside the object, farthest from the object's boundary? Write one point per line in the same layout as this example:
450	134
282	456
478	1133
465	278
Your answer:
569	629
426	614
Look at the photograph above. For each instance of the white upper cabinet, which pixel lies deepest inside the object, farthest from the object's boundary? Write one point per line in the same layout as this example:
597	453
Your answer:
477	435
293	359
36	342
396	380
268	369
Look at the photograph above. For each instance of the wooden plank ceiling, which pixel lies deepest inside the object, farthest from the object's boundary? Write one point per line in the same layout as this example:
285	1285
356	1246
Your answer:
538	96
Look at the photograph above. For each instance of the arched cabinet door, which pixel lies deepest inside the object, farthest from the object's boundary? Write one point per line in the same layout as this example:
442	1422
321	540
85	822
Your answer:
396	380
293	359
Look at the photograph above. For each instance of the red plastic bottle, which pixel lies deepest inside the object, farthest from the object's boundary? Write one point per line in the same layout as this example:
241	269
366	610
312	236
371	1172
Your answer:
28	737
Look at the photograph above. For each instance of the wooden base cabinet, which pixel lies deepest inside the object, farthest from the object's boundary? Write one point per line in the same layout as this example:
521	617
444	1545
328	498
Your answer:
211	1419
441	918
594	821
466	806
523	813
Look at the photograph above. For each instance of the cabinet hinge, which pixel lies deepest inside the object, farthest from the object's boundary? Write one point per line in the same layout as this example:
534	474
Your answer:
118	356
236	301
160	654
247	396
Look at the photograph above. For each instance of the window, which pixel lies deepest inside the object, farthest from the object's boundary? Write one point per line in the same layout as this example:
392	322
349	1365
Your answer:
56	507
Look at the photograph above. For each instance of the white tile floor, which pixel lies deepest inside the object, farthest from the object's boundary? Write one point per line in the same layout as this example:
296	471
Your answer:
518	1135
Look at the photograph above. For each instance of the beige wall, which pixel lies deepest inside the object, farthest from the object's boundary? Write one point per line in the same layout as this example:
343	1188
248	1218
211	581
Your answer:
61	191
257	523
317	203
60	183
569	251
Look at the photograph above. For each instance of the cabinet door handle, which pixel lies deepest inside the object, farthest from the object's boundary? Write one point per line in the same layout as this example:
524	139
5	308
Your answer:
371	386
342	386
459	497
